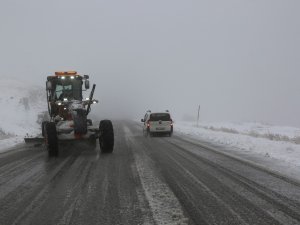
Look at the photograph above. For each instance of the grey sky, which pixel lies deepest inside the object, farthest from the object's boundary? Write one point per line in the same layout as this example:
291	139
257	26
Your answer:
239	59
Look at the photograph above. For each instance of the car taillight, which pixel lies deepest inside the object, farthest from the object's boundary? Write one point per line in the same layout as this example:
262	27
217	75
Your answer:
171	122
148	124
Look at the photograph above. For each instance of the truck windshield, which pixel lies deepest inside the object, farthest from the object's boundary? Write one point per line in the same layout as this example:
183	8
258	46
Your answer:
70	90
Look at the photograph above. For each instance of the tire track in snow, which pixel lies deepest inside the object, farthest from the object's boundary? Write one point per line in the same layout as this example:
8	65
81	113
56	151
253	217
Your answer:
165	207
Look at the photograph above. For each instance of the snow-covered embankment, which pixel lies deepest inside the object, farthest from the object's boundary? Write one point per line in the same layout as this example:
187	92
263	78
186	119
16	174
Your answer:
276	147
22	105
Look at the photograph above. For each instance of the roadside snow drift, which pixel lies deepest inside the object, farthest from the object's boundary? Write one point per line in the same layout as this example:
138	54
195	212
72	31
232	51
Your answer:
22	107
278	144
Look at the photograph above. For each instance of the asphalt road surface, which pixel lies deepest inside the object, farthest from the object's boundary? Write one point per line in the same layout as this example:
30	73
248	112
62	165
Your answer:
147	180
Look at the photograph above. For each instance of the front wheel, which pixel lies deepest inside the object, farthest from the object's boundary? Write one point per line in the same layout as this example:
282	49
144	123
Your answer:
106	139
51	139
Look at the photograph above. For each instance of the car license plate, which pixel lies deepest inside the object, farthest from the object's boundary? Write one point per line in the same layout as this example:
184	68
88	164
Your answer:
160	128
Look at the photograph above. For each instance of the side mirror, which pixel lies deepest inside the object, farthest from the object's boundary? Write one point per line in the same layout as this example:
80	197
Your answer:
48	85
142	120
87	84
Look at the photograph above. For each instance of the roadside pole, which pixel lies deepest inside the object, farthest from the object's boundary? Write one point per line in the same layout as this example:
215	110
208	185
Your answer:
198	116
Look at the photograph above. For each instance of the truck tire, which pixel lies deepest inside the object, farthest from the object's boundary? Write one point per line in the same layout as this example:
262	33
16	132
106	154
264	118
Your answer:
51	139
106	139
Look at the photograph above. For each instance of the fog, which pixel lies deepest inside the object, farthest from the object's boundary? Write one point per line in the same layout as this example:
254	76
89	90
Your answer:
237	59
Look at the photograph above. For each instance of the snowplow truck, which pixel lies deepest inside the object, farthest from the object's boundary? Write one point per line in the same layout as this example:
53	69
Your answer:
69	112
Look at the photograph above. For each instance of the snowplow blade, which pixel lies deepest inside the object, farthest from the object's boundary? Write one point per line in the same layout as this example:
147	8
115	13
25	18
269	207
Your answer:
34	140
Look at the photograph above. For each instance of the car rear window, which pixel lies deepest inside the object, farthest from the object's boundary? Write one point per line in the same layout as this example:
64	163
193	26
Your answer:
160	116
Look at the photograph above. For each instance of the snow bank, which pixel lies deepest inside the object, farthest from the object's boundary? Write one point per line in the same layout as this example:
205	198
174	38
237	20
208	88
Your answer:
21	104
262	140
277	133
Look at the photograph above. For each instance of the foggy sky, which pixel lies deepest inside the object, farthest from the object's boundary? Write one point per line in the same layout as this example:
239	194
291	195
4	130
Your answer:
238	59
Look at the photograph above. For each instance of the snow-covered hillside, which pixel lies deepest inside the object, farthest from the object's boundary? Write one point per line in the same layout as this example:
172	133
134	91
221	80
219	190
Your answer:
21	106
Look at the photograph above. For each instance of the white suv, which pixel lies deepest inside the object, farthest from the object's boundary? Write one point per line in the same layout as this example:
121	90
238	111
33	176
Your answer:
157	123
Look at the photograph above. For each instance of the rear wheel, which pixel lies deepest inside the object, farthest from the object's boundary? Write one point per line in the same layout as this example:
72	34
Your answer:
106	139
146	132
51	139
171	132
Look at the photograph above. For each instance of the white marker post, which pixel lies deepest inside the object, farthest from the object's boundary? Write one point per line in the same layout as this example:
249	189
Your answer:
198	116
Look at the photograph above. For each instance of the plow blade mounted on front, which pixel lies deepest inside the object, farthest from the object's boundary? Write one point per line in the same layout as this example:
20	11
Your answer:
34	139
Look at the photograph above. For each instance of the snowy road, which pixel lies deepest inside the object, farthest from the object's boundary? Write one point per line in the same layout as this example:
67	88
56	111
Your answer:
147	180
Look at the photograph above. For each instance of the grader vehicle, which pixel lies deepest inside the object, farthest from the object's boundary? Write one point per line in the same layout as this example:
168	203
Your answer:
68	113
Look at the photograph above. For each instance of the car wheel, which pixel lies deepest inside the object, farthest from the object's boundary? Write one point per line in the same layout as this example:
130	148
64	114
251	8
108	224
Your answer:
145	133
